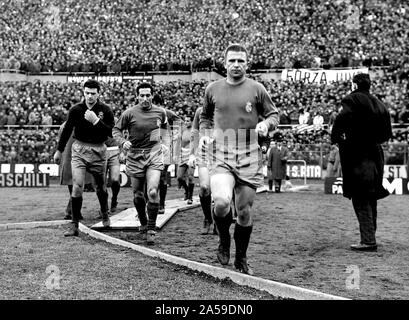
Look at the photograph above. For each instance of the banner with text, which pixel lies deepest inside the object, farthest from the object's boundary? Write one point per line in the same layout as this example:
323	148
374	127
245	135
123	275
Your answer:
398	186
395	171
24	180
109	78
320	76
293	170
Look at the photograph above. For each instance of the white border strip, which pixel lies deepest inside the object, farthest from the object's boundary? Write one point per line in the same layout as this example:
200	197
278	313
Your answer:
275	288
34	224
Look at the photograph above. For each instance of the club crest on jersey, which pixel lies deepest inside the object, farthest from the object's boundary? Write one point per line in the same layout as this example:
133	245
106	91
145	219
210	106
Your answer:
249	107
101	115
158	122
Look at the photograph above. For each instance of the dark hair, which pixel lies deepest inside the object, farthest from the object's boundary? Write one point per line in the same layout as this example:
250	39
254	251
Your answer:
362	80
144	85
92	84
157	99
235	47
278	136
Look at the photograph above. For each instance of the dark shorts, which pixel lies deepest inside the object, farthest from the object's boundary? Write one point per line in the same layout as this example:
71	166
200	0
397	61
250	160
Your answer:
184	171
139	160
246	165
88	156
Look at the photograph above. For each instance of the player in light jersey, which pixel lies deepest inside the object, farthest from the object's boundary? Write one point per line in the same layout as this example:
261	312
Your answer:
145	123
199	157
185	174
232	106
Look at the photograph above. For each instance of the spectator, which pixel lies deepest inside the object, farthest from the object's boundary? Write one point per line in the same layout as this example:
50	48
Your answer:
3	119
334	163
304	116
404	115
318	120
277	162
11	119
284	117
47	120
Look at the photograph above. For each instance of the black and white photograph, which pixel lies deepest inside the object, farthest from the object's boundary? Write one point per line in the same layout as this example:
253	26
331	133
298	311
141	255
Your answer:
204	158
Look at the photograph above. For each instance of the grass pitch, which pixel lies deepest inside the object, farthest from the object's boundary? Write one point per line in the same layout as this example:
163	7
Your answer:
299	238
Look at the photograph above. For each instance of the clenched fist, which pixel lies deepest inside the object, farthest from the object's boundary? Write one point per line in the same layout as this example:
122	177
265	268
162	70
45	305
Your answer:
126	145
91	117
262	129
57	157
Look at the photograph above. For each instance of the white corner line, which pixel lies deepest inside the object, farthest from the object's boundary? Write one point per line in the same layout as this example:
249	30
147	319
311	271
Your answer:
34	224
275	288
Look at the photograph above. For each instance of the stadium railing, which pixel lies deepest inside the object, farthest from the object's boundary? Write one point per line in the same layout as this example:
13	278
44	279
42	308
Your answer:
12	71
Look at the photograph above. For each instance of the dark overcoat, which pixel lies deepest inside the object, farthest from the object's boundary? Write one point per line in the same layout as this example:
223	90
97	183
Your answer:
277	162
360	128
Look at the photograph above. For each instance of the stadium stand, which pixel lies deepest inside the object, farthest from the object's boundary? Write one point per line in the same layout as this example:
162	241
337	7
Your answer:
34	104
131	36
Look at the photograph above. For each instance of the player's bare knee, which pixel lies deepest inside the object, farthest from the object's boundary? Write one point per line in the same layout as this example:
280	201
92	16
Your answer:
221	206
204	190
244	219
77	190
153	194
243	214
243	209
115	180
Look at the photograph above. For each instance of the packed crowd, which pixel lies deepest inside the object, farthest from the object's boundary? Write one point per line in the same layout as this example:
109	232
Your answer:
46	104
27	146
126	35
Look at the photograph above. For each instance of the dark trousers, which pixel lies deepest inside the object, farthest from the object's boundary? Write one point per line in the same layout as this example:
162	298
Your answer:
366	212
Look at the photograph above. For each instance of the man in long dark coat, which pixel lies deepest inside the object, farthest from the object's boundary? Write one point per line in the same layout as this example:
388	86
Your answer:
277	163
359	129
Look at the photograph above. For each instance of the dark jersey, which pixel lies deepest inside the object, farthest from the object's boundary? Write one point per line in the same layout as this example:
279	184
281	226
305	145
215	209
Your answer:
84	130
144	126
111	142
